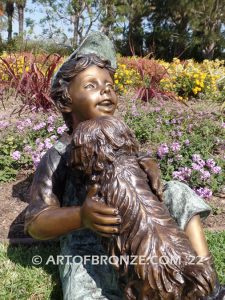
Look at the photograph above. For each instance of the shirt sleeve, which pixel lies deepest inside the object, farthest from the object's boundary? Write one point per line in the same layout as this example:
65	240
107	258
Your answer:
48	185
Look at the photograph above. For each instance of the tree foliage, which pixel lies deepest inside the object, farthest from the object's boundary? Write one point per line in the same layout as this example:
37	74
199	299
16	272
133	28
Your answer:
162	28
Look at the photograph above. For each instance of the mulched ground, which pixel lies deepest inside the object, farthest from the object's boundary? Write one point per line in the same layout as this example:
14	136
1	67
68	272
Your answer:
14	198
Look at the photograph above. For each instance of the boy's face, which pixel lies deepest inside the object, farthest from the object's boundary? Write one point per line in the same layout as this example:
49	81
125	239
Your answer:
92	94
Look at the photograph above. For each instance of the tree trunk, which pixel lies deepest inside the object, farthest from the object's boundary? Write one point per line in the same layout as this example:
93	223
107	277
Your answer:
75	21
20	19
9	10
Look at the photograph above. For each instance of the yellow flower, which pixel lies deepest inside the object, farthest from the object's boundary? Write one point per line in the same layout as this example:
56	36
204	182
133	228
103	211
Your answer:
116	81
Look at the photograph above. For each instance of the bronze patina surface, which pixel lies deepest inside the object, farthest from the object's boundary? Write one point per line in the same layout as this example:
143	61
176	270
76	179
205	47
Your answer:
167	267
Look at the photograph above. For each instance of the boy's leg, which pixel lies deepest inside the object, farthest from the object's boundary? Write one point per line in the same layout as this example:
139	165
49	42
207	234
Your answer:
195	233
187	208
88	273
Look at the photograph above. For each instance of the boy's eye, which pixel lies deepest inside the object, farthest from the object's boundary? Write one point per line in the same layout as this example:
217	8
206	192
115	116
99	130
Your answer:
89	86
110	85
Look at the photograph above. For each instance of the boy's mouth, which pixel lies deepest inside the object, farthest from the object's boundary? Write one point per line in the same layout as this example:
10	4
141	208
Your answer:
106	105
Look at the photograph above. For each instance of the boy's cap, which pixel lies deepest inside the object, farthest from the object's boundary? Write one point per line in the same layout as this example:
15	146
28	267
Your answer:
97	43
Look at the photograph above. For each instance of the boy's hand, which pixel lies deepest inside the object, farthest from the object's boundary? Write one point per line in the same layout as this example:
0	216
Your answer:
150	166
98	216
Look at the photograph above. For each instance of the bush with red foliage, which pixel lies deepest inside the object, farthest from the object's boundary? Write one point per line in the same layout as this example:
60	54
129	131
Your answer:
30	76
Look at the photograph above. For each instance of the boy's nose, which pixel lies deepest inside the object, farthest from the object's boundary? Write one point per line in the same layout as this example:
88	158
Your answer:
105	89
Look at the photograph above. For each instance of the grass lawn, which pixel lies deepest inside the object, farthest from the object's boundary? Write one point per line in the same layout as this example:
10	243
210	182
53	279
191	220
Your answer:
20	279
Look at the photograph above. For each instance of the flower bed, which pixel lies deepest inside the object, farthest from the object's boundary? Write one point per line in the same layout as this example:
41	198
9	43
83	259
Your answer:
189	146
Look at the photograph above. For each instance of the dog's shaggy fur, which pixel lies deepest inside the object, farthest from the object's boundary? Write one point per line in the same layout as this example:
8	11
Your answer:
105	150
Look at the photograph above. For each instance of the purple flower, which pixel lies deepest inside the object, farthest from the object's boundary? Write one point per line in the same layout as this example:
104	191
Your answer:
174	121
28	149
48	143
196	167
216	170
186	171
61	129
162	150
53	137
175	147
4	124
179	133
205	174
51	120
204	192
210	163
40	147
50	128
187	142
197	159
178	175
39	126
182	174
134	111
223	125
36	159
16	155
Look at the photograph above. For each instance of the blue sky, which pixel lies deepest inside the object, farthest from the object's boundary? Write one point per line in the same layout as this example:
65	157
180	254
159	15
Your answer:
37	13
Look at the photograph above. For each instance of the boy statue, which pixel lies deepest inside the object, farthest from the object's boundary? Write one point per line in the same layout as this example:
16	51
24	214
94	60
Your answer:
61	207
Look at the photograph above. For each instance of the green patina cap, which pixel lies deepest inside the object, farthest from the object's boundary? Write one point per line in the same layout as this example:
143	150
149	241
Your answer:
97	43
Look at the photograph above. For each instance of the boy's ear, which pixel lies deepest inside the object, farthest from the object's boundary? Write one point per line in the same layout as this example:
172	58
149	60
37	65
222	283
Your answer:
65	106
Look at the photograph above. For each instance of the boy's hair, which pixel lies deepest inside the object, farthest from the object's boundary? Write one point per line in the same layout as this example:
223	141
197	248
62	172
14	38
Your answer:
59	89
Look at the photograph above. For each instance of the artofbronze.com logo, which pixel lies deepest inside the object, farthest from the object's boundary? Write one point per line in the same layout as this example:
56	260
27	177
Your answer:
114	260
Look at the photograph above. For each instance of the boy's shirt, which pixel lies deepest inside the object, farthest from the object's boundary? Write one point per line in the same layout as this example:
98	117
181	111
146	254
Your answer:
55	184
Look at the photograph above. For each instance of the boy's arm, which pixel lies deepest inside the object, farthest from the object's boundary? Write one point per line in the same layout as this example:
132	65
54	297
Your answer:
57	221
45	219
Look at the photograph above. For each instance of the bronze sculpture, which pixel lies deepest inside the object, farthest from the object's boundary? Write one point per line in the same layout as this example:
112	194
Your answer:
60	205
105	150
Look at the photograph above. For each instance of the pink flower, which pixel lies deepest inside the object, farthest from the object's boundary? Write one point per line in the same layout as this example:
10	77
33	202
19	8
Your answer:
51	120
4	124
204	192
134	111
48	143
53	137
197	159
162	150
205	174
28	148
210	163
216	170
50	128
61	129
196	167
175	147
39	126
16	155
